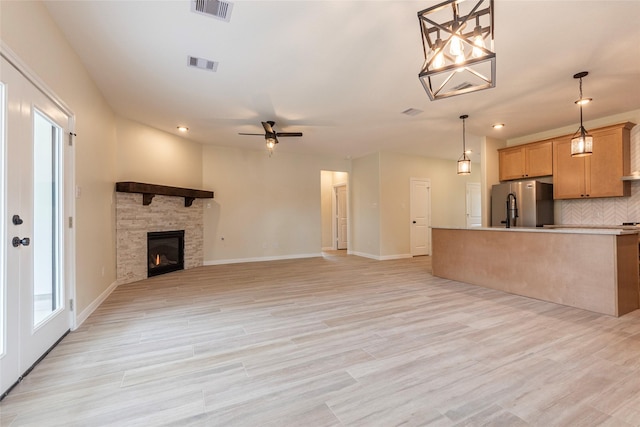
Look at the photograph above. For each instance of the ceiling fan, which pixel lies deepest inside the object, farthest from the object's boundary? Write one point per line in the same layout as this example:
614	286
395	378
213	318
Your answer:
271	136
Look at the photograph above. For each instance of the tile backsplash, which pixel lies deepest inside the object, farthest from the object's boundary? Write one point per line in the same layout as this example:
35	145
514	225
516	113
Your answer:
609	211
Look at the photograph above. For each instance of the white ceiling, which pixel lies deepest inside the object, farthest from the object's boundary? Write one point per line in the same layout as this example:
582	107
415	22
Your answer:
343	71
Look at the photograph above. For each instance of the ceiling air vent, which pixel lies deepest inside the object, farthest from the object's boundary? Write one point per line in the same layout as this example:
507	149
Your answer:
412	112
203	64
461	86
215	8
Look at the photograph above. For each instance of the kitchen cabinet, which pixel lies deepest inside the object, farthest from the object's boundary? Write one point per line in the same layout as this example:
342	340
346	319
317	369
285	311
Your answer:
526	161
597	175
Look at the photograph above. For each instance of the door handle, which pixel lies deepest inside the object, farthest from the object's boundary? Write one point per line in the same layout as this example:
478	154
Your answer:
16	220
414	222
18	241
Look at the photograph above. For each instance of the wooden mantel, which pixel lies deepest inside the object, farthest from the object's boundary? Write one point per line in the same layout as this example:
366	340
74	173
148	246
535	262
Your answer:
149	191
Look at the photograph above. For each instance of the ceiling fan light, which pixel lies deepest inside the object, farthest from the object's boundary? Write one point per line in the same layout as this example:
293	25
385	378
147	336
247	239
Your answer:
271	145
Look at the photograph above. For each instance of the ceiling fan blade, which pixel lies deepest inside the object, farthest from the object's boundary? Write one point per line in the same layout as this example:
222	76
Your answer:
256	134
268	126
289	133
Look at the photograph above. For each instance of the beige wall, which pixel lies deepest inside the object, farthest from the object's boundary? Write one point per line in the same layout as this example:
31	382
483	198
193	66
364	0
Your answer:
448	197
490	174
364	238
264	207
153	156
27	29
326	200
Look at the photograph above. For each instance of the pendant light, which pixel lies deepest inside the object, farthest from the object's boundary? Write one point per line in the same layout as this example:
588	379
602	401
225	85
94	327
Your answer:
582	142
464	162
458	58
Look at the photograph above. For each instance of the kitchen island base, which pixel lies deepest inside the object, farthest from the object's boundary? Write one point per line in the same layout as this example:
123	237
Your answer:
594	270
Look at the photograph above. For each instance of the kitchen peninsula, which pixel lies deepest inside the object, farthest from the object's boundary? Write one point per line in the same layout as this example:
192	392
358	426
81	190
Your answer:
591	269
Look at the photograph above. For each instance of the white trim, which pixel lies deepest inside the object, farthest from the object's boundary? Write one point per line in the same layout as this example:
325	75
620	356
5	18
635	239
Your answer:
4	227
28	74
70	211
260	259
80	318
334	217
380	257
328	248
396	256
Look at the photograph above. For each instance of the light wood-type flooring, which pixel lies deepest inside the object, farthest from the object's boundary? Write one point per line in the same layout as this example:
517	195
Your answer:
333	341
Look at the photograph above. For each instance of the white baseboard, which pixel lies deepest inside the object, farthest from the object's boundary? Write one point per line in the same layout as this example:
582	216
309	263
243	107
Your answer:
260	259
328	248
380	258
397	256
362	254
80	318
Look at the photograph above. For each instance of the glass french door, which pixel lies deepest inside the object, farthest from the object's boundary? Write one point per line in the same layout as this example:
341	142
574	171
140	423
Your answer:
33	297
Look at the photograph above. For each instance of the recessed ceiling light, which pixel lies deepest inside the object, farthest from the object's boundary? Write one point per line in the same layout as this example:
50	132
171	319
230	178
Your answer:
183	128
583	101
498	126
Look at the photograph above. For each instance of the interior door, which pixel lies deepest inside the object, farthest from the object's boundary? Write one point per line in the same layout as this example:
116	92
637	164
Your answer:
35	312
420	209
341	216
473	205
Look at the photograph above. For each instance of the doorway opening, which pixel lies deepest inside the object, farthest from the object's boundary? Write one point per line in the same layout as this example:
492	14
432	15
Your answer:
334	206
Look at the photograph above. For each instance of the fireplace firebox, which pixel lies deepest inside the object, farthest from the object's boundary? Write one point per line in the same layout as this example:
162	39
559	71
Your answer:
165	252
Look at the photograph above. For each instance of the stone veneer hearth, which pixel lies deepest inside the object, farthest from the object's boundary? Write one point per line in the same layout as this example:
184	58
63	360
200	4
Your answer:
165	213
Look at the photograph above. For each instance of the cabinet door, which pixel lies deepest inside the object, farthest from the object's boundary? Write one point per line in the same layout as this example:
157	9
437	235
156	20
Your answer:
607	165
538	159
511	163
568	172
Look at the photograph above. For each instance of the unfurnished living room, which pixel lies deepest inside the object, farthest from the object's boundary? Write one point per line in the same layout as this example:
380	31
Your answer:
320	213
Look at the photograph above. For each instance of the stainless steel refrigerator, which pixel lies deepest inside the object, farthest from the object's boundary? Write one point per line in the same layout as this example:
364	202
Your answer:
522	204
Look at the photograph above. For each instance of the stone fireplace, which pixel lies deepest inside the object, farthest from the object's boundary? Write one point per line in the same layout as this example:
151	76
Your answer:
135	220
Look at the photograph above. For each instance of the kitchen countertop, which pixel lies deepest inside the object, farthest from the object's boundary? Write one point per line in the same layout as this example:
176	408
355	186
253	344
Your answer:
572	229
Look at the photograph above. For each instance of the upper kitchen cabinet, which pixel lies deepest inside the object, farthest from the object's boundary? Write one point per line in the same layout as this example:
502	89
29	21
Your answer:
597	175
526	161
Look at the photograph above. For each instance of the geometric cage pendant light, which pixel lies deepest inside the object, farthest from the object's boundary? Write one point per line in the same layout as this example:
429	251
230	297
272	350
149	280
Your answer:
582	142
457	42
464	162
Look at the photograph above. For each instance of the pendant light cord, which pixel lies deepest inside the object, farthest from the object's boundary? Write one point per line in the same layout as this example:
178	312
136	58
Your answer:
582	130
464	144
